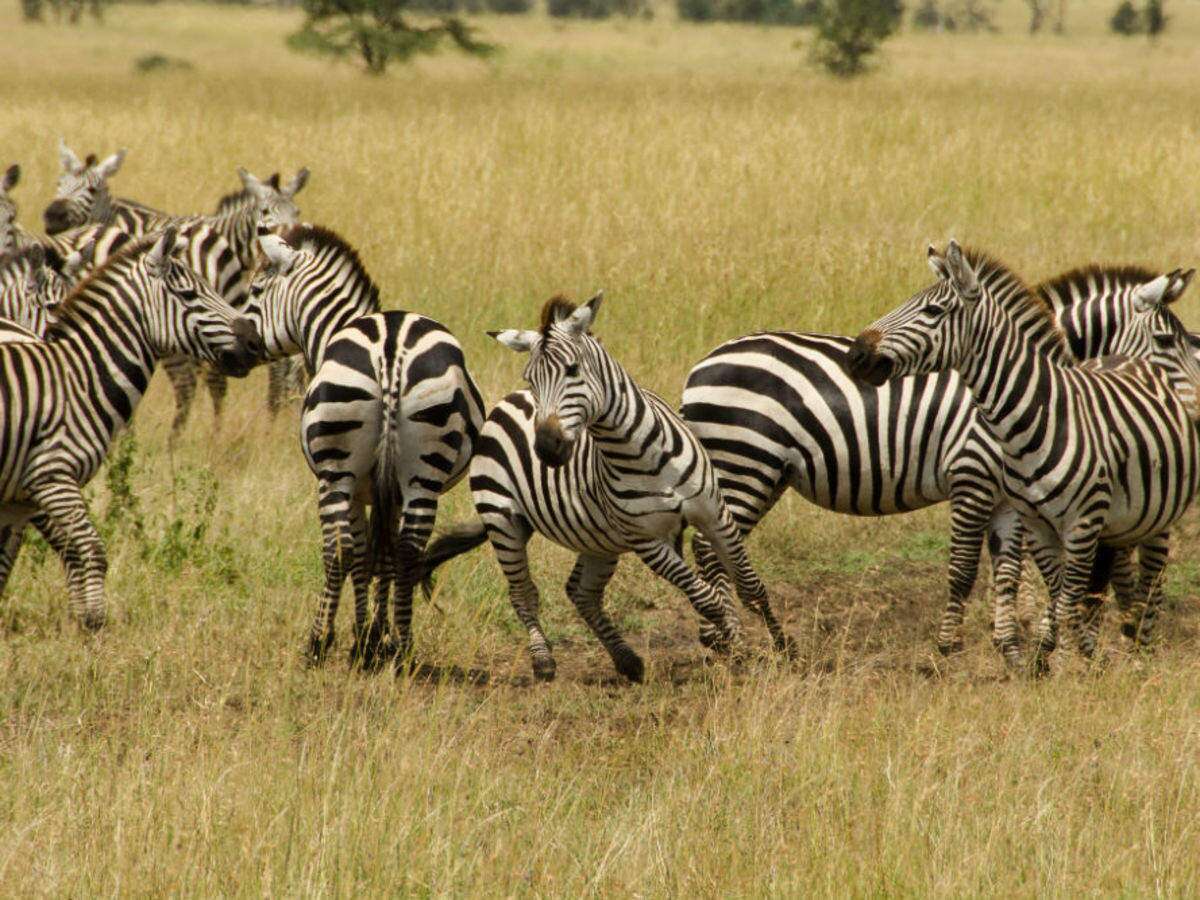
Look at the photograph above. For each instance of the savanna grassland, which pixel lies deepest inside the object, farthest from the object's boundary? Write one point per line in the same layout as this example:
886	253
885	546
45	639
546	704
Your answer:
712	185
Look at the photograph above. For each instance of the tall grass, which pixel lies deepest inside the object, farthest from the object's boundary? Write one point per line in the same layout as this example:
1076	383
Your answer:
711	185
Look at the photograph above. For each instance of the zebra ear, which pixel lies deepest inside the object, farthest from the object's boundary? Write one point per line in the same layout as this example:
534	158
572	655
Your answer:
520	341
937	263
250	183
110	166
962	276
1152	295
1179	283
581	320
281	256
296	184
66	156
158	260
75	262
11	176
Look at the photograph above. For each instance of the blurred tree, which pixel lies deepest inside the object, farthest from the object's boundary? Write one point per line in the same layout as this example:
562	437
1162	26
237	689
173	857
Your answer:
955	15
850	31
377	31
1156	20
71	10
1126	19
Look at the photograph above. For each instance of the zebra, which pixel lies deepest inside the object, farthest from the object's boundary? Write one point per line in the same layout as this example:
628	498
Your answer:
390	420
62	400
1097	456
12	235
779	409
34	281
83	201
601	466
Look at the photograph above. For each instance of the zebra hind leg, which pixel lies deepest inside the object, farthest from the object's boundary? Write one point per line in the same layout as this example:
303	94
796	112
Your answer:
586	587
667	564
337	551
363	652
417	521
1152	561
66	516
182	373
714	573
727	544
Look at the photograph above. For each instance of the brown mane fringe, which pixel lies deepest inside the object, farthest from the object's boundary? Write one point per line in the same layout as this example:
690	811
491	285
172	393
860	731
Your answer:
1093	273
315	238
554	310
988	267
127	253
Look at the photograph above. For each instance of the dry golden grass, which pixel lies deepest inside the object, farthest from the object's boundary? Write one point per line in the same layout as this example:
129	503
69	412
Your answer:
712	185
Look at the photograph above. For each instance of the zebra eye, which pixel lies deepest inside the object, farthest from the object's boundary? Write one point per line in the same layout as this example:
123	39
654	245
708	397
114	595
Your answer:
1165	340
572	370
187	295
932	309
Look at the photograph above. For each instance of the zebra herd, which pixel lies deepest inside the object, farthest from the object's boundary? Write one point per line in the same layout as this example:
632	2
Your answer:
1057	420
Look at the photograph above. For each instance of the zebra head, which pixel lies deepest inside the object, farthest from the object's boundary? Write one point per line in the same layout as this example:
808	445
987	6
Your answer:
8	209
563	376
195	320
274	206
1157	335
34	281
82	196
272	294
928	332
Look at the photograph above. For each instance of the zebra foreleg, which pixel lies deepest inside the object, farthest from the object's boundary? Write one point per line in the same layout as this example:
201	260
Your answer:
968	523
218	387
586	587
1006	547
509	544
1079	561
181	371
664	562
67	518
11	539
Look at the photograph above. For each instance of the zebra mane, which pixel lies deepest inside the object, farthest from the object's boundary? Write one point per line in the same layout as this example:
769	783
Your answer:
1081	280
554	310
234	199
23	254
1021	302
126	255
315	238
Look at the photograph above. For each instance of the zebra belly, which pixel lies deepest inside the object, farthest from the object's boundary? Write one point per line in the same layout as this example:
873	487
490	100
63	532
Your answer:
780	409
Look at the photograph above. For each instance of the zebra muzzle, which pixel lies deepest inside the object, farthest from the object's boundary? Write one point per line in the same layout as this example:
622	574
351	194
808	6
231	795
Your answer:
57	217
865	363
550	444
249	352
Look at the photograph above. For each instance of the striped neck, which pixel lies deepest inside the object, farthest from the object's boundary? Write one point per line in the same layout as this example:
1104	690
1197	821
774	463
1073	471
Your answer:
237	222
1093	306
629	428
106	349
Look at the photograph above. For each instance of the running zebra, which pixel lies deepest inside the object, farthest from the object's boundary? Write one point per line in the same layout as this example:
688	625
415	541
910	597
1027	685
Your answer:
12	235
63	400
777	410
390	420
602	467
1097	457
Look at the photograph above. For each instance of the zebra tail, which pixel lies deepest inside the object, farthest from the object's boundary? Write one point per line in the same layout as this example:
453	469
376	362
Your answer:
458	540
386	490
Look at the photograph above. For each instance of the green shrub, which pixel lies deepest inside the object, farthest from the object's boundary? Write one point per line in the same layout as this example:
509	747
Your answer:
850	31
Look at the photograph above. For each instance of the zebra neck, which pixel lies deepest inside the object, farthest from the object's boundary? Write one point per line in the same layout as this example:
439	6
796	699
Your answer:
238	225
630	427
1015	383
107	355
131	216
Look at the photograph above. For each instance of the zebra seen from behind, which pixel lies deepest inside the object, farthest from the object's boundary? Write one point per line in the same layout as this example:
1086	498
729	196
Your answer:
1097	457
779	409
603	467
390	421
63	400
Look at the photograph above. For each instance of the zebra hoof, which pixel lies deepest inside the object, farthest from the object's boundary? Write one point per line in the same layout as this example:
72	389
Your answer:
1129	630
544	668
787	647
713	640
950	648
317	650
630	665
